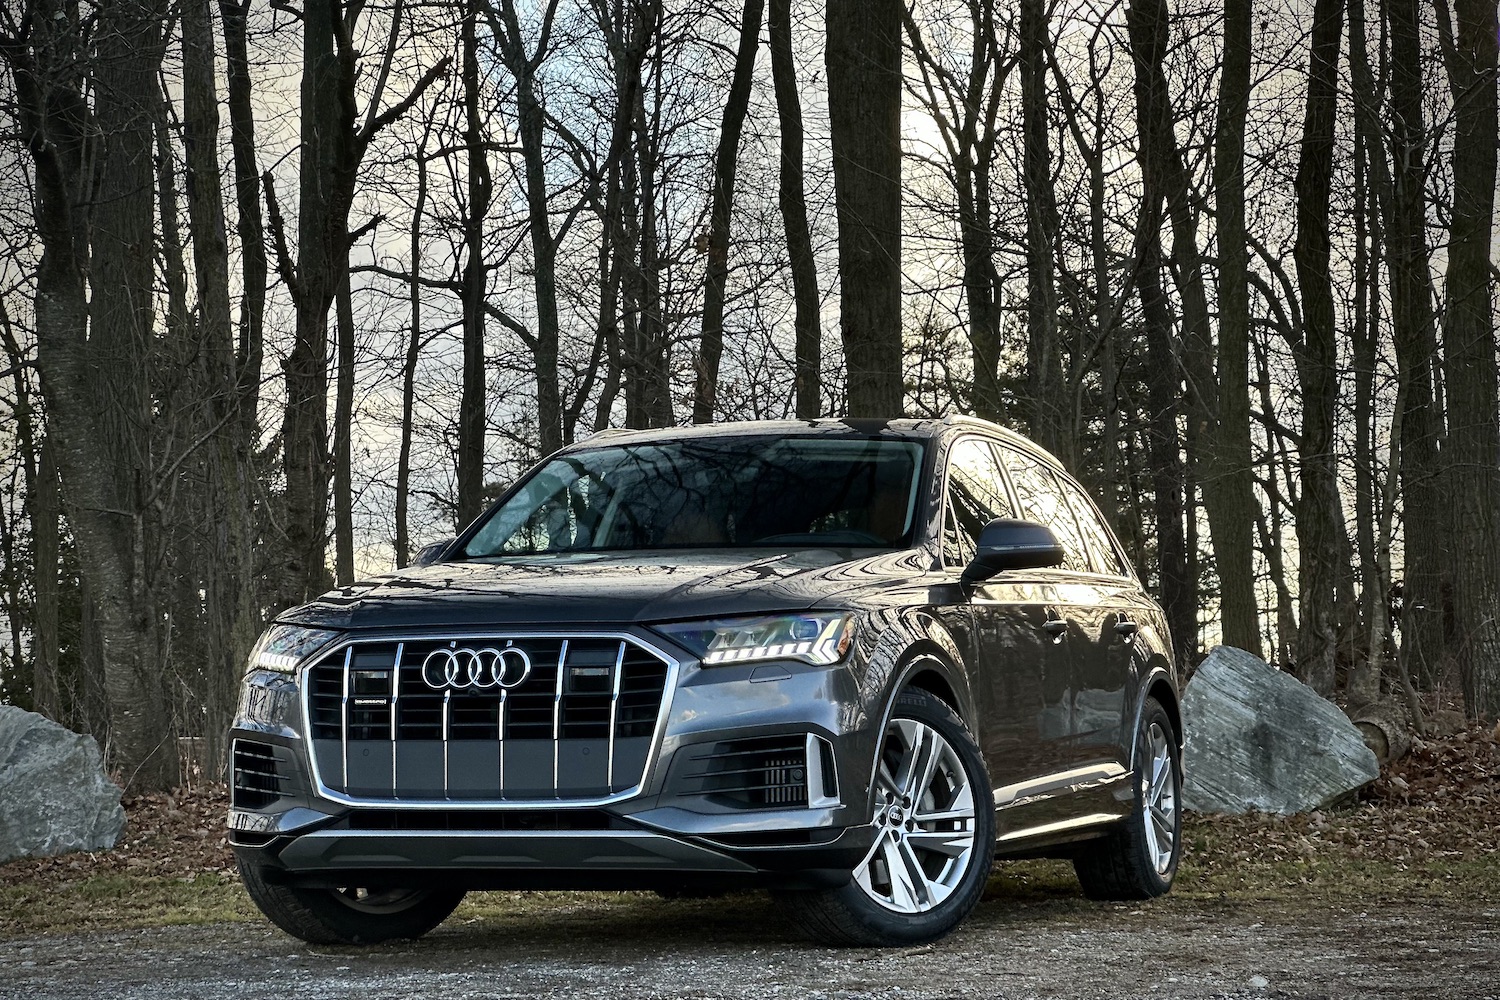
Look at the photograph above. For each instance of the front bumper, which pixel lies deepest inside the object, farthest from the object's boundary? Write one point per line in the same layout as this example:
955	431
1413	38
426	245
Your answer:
679	828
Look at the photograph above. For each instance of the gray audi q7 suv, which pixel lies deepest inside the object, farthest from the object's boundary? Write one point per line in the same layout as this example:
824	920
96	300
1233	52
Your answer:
849	661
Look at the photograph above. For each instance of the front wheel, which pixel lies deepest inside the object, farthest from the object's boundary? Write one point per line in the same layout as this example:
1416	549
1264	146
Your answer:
349	915
933	824
1138	860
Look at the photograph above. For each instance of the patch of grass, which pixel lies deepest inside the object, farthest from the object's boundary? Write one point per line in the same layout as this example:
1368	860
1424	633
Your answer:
116	901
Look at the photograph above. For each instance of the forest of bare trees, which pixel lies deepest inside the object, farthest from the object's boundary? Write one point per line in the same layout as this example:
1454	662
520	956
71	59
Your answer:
291	288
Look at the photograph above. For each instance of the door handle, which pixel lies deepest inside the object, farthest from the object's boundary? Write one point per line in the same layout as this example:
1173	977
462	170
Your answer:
1055	626
1126	627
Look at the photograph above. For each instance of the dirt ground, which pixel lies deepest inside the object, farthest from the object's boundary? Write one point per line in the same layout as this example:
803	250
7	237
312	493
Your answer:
635	946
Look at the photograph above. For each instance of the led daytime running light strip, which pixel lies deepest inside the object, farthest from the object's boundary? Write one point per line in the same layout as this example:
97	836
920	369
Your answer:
759	652
278	661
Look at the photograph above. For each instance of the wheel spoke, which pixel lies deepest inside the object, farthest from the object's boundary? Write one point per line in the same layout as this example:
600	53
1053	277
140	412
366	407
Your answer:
921	885
1152	845
957	812
903	891
915	769
949	843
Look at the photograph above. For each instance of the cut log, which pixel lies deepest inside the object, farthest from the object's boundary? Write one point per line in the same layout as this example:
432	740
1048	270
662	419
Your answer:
1386	730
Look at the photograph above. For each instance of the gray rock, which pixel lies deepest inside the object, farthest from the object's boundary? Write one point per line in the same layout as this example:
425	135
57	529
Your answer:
54	794
1259	739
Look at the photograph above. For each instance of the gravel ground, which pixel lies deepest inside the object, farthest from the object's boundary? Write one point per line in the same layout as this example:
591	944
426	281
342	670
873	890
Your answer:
637	947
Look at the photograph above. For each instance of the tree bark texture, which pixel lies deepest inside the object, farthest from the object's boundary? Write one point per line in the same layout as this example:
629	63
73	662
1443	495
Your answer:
531	118
863	57
96	385
328	165
250	227
343	433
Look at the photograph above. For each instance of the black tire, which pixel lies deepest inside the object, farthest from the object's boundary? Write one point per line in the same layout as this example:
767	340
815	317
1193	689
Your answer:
349	916
1132	862
851	914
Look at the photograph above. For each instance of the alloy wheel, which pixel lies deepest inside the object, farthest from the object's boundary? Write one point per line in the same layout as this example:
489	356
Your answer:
1159	795
364	900
924	821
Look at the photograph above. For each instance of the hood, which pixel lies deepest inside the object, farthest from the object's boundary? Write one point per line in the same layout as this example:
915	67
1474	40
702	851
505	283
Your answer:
595	588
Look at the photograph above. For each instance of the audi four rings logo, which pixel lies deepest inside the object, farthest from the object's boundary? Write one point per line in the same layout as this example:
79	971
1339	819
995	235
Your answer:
463	668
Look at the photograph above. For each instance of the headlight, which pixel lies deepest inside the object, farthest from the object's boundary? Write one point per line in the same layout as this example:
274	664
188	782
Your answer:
283	647
820	638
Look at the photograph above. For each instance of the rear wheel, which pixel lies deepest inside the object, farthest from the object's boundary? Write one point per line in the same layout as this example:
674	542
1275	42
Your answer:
933	820
349	915
1139	859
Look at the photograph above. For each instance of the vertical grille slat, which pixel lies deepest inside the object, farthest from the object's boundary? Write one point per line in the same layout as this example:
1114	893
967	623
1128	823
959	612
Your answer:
580	725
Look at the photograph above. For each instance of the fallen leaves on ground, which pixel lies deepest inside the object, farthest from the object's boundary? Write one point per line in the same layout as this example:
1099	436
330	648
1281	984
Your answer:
1439	804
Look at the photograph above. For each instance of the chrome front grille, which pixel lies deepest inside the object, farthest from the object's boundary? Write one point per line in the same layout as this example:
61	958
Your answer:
579	726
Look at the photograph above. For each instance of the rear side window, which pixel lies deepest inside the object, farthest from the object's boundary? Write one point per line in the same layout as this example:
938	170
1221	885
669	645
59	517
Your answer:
1040	495
1106	553
976	496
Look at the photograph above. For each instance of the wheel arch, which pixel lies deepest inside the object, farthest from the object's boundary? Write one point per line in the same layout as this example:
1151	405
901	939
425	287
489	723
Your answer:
1157	684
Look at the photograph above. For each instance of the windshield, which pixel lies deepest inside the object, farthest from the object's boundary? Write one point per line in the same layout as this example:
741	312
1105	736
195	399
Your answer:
732	492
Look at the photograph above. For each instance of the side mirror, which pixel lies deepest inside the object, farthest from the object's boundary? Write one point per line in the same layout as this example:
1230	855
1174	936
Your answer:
1008	544
431	552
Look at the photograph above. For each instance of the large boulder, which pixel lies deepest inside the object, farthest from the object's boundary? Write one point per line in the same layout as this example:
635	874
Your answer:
54	794
1259	739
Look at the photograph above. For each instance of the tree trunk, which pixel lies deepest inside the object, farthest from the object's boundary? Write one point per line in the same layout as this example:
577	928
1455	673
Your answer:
409	365
39	490
1412	323
863	57
726	164
328	163
471	407
249	225
1047	399
99	429
233	612
343	433
793	202
1318	515
1177	586
1473	453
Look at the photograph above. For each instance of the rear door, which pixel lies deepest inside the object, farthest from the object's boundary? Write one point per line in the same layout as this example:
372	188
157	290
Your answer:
1098	598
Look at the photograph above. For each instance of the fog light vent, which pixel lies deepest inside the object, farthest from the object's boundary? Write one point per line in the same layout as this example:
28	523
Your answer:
769	772
257	781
